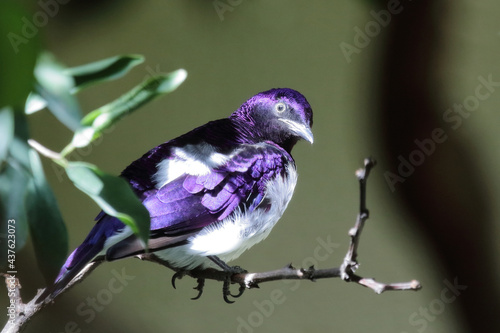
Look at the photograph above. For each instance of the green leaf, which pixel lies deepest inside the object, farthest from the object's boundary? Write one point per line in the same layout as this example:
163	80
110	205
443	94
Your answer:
55	88
6	131
14	179
102	70
89	74
34	103
113	194
13	188
19	149
47	228
19	47
104	117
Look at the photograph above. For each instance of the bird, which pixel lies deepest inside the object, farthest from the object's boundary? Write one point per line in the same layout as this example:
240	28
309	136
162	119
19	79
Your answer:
211	193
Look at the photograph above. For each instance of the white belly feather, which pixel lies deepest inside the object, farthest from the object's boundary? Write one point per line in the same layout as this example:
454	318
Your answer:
232	236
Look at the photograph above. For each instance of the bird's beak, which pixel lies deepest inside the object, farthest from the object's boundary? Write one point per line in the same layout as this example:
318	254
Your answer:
299	129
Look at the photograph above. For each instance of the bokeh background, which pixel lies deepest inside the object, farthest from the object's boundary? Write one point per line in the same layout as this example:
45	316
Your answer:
373	92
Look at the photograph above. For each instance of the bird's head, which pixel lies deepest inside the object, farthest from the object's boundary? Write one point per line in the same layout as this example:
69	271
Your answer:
280	115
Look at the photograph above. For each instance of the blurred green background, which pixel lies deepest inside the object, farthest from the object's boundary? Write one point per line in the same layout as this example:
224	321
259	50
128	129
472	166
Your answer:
438	226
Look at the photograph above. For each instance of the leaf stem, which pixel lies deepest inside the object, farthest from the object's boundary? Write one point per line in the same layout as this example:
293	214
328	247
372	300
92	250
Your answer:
56	157
67	150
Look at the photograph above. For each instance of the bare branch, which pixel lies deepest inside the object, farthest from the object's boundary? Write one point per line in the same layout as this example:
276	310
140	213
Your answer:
23	312
18	312
350	263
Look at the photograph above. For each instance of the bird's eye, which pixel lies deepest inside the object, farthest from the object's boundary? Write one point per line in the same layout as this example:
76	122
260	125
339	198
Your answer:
280	107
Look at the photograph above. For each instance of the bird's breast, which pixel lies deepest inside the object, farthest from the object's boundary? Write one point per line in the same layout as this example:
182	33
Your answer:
229	238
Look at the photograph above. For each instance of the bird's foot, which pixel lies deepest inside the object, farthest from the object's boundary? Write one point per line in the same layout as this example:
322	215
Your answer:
177	276
236	270
201	283
230	271
226	292
199	287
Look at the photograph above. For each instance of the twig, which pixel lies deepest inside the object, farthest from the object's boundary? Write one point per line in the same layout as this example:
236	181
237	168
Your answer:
44	150
350	263
56	157
23	312
18	313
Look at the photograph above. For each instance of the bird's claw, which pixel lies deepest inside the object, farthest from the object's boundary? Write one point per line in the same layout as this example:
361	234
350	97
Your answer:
241	290
177	275
226	292
227	282
199	287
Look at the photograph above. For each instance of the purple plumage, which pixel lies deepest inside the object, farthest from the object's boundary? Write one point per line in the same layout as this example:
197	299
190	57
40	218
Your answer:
214	191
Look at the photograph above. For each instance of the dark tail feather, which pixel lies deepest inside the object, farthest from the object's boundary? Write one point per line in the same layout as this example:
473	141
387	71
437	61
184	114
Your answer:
80	262
67	275
84	258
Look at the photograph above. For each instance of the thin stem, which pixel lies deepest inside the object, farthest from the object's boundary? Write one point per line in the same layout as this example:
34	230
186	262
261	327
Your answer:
67	150
350	263
56	157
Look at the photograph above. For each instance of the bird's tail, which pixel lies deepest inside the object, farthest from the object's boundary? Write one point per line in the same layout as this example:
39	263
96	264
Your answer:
69	272
84	258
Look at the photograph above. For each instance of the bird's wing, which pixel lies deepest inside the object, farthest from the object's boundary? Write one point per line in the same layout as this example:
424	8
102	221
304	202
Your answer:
205	193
